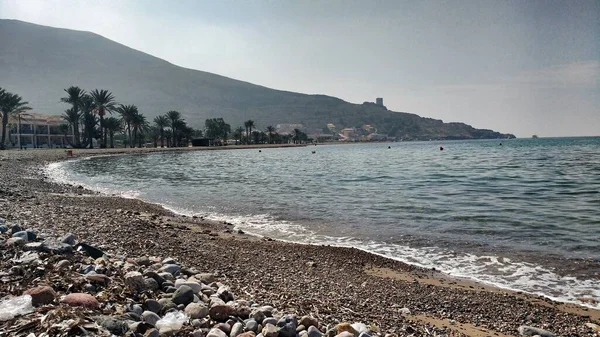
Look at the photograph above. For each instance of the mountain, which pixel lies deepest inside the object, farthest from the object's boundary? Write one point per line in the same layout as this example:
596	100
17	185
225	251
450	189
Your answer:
38	62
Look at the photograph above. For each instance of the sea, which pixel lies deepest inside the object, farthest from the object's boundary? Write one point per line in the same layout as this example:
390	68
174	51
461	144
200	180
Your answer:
521	214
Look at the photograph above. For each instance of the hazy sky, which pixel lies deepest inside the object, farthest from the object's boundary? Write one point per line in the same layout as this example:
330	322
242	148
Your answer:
526	67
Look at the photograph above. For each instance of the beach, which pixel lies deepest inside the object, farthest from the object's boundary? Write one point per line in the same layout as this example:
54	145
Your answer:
330	283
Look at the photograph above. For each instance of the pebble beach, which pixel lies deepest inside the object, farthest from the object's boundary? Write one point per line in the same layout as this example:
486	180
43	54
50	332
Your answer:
81	263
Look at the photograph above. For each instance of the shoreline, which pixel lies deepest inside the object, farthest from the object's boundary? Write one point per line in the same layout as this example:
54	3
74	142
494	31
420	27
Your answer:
382	285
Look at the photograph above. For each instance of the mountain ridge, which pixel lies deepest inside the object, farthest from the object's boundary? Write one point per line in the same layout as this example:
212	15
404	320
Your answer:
38	62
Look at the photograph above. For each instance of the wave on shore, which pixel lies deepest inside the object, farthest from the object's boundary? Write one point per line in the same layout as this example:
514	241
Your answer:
498	271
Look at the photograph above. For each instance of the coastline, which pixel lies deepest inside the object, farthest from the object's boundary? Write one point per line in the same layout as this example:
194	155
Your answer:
333	283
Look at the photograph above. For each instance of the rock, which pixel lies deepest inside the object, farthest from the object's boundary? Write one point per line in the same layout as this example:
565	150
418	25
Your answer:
214	332
62	264
15	242
55	247
135	281
41	295
269	320
240	309
313	331
525	330
33	246
167	304
247	334
196	287
169	260
404	311
151	284
225	293
346	327
89	288
153	305
89	250
300	328
270	330
69	239
172	269
150	317
154	275
81	300
152	333
205	278
25	235
137	309
15	228
167	276
258	315
113	325
236	329
143	261
220	312
252	325
98	278
3	228
183	295
197	333
365	334
309	321
196	310
226	328
287	326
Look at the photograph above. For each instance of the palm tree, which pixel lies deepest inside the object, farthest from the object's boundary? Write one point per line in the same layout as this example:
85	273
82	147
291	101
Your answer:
128	113
87	107
249	124
105	102
174	121
74	97
10	104
112	125
161	123
238	134
270	129
139	124
177	127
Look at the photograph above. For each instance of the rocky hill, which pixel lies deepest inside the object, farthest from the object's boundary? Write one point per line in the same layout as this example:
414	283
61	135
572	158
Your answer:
38	62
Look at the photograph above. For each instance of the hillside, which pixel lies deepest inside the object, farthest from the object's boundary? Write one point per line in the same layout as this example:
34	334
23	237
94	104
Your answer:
38	62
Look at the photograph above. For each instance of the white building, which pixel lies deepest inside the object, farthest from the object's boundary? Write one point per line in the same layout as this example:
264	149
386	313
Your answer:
36	130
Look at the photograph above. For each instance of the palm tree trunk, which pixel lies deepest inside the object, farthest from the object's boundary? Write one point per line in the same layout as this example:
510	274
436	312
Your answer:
129	132
4	123
112	143
162	139
102	133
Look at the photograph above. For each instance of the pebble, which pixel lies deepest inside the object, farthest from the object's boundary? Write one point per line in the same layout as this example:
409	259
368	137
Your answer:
346	327
360	328
226	328
90	250
216	333
252	325
154	275
309	321
345	334
62	264
41	295
526	330
135	281
113	325
151	284
15	242
197	333
196	310
152	333
69	239
205	277
172	269
236	329
219	312
153	305
270	330
313	331
269	320
150	317
23	235
137	309
81	300
247	334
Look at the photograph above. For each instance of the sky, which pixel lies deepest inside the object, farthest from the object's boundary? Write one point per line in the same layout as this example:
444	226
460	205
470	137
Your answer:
522	67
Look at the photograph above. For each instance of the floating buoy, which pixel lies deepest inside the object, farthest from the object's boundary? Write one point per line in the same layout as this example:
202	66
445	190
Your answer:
259	150
314	152
389	147
441	148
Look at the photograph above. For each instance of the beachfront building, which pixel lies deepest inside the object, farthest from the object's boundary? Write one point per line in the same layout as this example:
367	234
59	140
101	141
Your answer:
36	130
379	101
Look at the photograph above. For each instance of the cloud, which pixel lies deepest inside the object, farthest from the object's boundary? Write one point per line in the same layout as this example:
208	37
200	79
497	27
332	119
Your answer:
584	74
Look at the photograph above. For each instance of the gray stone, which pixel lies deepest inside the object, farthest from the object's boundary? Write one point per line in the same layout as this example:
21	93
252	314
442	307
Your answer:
3	228
22	234
308	321
269	320
205	277
171	290
137	309
214	332
196	310
167	284
226	328
313	331
169	260
197	333
89	250
252	325
196	323
113	325
196	287
135	281
172	269
15	242
167	276
150	317
258	315
360	327
55	247
525	330
69	239
33	246
345	334
153	305
152	333
143	261
15	228
167	304
365	334
270	330
151	284
153	275
62	264
237	329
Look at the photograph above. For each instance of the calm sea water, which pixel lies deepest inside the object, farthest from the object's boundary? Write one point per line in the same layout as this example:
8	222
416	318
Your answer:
523	215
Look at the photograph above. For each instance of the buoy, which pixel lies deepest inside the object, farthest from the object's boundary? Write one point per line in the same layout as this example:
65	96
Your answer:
259	150
314	152
441	148
389	147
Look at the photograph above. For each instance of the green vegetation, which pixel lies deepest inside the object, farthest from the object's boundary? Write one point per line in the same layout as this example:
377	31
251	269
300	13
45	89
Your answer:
10	104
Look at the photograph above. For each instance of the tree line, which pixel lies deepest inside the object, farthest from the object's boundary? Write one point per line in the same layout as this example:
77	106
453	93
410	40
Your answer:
96	115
